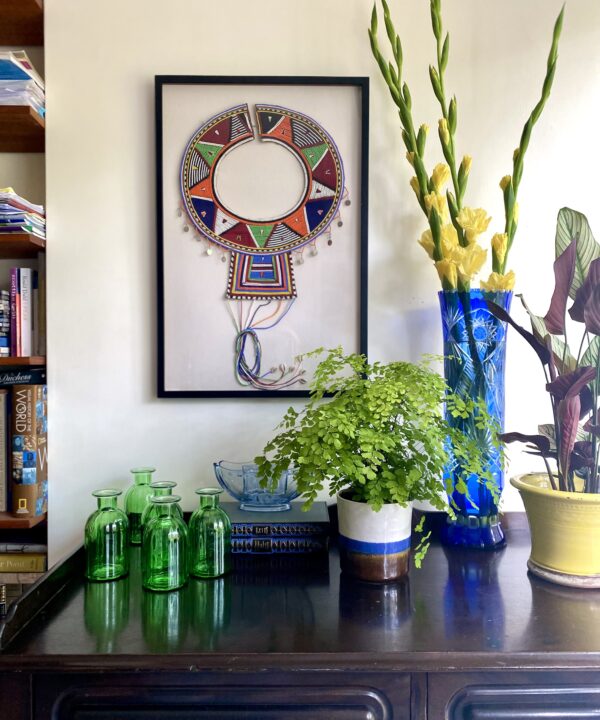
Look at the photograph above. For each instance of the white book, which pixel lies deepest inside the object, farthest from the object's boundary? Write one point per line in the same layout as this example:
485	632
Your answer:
26	311
35	318
41	325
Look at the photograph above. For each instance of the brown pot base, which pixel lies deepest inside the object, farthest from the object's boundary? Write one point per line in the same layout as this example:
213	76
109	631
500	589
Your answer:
554	576
375	568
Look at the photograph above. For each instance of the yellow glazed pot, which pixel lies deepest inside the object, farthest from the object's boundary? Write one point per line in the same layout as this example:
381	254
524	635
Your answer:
565	532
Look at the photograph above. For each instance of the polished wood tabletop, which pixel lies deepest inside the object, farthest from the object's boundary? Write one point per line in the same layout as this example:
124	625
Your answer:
462	609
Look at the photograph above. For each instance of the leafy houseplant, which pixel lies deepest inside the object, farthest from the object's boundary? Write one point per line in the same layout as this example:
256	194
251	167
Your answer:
570	446
375	433
474	341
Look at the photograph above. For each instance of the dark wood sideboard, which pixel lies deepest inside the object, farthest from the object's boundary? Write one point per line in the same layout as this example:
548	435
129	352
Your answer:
471	636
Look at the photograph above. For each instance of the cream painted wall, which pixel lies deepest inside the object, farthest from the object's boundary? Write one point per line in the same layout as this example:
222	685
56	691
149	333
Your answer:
100	62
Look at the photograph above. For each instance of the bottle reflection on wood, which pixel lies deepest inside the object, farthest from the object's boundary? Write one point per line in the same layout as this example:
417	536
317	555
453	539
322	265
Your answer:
165	620
106	612
210	602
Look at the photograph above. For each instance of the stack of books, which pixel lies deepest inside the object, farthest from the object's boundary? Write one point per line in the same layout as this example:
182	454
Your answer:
20	84
4	323
18	215
293	532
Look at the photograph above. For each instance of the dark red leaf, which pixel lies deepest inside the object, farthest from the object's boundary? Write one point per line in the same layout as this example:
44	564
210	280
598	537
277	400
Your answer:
564	269
568	421
593	427
582	455
572	383
500	313
541	442
587	401
591	312
591	281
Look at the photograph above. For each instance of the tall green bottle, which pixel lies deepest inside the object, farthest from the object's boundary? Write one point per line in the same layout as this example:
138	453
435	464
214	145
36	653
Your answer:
136	499
160	488
105	539
165	547
210	536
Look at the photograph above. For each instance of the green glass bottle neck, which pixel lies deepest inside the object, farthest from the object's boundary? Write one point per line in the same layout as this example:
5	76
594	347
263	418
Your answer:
209	501
161	492
142	478
107	503
166	511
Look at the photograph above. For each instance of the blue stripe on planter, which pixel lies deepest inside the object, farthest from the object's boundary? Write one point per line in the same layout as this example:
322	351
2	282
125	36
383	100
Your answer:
374	548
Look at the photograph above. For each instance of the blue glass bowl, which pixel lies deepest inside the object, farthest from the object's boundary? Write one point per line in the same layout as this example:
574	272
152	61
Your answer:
241	481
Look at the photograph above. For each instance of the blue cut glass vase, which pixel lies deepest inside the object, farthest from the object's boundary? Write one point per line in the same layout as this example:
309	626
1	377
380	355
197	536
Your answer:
474	360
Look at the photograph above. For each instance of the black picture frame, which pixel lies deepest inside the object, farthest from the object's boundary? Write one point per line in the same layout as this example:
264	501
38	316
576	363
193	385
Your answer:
362	85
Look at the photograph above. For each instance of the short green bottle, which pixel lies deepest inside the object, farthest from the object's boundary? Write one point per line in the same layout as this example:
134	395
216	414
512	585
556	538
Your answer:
106	538
210	536
136	499
165	547
160	488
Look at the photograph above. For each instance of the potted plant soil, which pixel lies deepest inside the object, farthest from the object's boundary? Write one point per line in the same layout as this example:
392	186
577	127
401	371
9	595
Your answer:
375	435
563	502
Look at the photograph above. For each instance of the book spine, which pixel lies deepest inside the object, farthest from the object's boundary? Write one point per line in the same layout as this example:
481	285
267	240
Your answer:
35	314
41	349
31	376
18	314
13	310
26	313
240	529
3	450
29	450
23	548
21	562
20	578
278	545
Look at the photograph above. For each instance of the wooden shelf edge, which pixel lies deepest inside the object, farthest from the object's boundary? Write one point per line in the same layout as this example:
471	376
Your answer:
9	522
20	245
22	22
22	361
22	129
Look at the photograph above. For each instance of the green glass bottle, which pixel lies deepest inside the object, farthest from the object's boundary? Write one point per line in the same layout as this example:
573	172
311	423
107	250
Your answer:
159	488
136	499
105	539
165	547
210	536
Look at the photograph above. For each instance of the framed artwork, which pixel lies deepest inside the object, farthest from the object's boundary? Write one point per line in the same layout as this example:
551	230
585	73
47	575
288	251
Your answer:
262	200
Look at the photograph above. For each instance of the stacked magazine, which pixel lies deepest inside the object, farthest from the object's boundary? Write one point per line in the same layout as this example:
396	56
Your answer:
20	84
18	215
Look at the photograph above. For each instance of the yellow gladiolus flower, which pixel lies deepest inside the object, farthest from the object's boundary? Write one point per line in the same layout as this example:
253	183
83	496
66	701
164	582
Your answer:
414	183
440	175
516	212
425	128
497	282
448	274
466	164
438	202
410	156
504	183
473	258
444	132
473	221
449	240
515	154
500	246
426	242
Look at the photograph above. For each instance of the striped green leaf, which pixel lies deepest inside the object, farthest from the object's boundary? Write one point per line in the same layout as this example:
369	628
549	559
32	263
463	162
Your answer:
572	224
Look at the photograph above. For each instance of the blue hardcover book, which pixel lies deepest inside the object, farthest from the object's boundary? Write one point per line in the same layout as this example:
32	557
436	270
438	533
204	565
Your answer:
291	523
278	545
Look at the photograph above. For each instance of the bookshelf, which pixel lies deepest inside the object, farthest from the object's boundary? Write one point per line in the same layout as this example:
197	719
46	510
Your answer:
21	129
22	22
9	522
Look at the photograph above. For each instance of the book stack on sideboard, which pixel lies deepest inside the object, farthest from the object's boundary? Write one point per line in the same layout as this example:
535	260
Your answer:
292	532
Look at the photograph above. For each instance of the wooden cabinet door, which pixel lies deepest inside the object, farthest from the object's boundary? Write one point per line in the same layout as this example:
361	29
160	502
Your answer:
514	696
182	697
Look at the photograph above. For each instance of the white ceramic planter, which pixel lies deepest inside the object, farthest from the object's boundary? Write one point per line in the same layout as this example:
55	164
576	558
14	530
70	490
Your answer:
374	546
